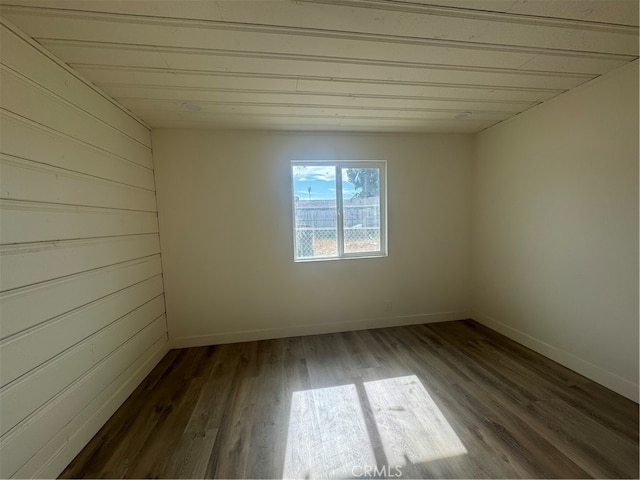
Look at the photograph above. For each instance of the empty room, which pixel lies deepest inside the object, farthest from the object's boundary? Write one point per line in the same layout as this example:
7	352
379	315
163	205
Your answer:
319	239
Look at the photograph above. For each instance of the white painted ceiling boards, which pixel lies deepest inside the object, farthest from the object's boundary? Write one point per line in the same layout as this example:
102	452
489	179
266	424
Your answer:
373	65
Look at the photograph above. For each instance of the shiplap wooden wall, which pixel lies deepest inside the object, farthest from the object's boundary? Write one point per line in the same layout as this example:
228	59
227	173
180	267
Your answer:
82	315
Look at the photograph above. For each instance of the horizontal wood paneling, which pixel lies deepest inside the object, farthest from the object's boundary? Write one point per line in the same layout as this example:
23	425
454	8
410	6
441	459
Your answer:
195	81
218	96
20	443
336	67
42	222
35	182
420	88
54	456
448	49
277	83
312	121
402	21
50	147
20	56
24	97
25	395
225	44
31	348
265	44
618	12
297	110
26	307
27	264
81	288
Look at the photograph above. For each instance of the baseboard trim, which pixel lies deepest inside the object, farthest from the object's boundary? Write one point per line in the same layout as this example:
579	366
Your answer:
298	330
598	374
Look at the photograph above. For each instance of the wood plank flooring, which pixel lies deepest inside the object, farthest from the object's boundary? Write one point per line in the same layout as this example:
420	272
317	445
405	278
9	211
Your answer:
446	400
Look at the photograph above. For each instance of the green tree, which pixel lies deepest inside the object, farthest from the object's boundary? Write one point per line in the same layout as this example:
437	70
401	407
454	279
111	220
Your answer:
365	180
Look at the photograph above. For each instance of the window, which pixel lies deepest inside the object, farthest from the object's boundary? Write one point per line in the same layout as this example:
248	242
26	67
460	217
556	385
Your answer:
339	209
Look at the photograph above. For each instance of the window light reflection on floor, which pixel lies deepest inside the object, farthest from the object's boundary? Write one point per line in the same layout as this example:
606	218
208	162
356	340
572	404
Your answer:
409	422
328	436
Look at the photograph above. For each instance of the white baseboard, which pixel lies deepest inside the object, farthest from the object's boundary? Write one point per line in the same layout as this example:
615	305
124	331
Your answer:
598	374
298	330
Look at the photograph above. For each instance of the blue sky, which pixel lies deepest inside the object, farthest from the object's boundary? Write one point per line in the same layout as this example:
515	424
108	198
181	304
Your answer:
321	179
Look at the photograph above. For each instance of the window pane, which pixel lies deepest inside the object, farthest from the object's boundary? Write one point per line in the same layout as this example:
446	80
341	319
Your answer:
361	209
316	229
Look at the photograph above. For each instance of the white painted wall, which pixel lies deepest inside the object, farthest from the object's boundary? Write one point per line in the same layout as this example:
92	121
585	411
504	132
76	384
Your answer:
81	291
555	229
226	230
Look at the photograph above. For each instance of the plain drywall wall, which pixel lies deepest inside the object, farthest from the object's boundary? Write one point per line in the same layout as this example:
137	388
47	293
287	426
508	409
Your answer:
81	291
555	229
226	231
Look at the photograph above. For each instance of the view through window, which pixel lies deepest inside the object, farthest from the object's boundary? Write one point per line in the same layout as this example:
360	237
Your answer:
339	209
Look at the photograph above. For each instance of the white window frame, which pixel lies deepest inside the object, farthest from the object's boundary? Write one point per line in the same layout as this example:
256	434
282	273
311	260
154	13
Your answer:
339	166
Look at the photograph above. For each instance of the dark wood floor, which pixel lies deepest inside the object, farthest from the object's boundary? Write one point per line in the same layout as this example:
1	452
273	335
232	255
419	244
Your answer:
442	400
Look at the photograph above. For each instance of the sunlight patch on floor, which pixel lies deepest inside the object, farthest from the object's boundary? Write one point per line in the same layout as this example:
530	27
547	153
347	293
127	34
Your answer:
327	434
411	426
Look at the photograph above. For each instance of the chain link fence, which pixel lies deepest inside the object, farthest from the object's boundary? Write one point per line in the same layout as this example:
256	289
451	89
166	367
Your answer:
316	228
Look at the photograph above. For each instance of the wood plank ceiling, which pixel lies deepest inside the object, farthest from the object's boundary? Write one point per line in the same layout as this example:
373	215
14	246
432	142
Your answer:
357	65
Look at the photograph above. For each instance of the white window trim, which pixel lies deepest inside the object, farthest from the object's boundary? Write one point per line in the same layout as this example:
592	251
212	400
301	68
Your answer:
340	165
